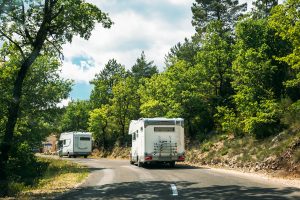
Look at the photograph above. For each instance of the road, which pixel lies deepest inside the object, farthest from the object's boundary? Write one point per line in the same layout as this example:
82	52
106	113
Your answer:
117	179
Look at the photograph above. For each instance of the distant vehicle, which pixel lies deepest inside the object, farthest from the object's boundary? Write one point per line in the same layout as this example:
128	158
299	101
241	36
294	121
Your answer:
157	140
74	144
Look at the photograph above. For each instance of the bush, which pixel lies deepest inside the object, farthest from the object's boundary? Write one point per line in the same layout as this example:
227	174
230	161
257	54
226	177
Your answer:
291	114
206	146
228	121
22	165
264	120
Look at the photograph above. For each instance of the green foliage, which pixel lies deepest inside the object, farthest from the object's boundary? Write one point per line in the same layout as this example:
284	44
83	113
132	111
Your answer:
76	116
262	8
23	166
103	82
123	105
291	115
214	61
98	123
206	146
33	33
142	68
206	11
285	20
183	51
228	121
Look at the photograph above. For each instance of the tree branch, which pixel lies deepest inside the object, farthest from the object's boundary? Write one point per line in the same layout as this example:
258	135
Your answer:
57	48
24	25
12	41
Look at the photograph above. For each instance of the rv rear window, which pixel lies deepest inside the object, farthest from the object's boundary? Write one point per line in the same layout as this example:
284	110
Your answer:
150	122
85	138
164	129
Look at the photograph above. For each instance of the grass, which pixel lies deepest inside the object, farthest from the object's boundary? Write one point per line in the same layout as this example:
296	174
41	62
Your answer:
59	176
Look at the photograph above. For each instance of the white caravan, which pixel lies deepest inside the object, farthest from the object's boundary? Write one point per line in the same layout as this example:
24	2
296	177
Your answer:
157	140
75	144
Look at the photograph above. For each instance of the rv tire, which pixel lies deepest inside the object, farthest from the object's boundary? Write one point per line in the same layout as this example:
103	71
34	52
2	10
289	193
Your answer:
172	164
85	156
140	164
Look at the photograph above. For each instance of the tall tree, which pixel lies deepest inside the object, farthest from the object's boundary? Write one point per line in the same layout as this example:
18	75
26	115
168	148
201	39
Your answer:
226	11
99	120
285	20
258	77
42	90
124	105
142	68
103	83
183	51
214	61
262	8
35	28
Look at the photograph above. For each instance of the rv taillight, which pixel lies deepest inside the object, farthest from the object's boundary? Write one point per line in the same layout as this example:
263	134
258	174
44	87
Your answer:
181	158
148	158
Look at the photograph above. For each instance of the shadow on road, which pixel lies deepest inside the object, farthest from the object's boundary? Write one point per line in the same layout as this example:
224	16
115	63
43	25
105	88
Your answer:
187	190
167	167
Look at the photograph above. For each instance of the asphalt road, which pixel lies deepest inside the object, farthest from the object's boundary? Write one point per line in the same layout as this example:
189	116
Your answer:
117	179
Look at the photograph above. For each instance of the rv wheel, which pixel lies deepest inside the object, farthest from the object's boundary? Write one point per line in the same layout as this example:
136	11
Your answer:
140	164
131	162
172	164
85	156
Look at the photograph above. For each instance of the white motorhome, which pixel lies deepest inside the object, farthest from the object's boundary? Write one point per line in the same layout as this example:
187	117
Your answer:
75	144
157	140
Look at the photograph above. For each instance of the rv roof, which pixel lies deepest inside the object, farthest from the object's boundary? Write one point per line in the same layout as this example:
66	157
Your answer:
78	133
162	119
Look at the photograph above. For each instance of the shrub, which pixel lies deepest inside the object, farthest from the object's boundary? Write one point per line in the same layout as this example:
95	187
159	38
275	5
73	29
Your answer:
23	166
228	121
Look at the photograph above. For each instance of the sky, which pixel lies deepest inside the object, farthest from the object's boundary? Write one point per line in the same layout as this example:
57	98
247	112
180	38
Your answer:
152	26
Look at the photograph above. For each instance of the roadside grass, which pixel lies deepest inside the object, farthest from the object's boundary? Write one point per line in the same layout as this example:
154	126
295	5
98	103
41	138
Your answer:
59	176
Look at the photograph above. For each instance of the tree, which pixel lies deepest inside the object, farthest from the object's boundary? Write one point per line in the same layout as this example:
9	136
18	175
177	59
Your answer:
214	61
285	20
262	8
142	68
42	90
76	116
124	105
225	11
103	83
183	51
36	28
99	123
255	77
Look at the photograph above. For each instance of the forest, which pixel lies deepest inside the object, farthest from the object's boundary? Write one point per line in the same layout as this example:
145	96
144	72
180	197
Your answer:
238	74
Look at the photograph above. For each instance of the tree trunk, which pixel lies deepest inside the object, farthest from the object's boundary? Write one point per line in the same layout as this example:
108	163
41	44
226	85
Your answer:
14	106
13	111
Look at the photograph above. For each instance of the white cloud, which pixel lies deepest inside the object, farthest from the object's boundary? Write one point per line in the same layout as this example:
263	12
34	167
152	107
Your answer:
83	73
131	33
64	103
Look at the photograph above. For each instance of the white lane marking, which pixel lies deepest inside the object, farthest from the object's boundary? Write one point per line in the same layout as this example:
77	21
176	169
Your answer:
174	190
108	177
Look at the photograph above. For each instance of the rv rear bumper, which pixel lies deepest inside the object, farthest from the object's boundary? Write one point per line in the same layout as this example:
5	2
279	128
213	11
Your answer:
178	158
80	153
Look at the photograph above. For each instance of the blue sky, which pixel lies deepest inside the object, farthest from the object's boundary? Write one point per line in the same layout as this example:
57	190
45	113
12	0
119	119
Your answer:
152	26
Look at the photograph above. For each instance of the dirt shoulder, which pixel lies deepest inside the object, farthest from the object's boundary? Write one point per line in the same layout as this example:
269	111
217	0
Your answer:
273	177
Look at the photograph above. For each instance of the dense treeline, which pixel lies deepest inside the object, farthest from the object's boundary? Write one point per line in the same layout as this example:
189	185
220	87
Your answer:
238	74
